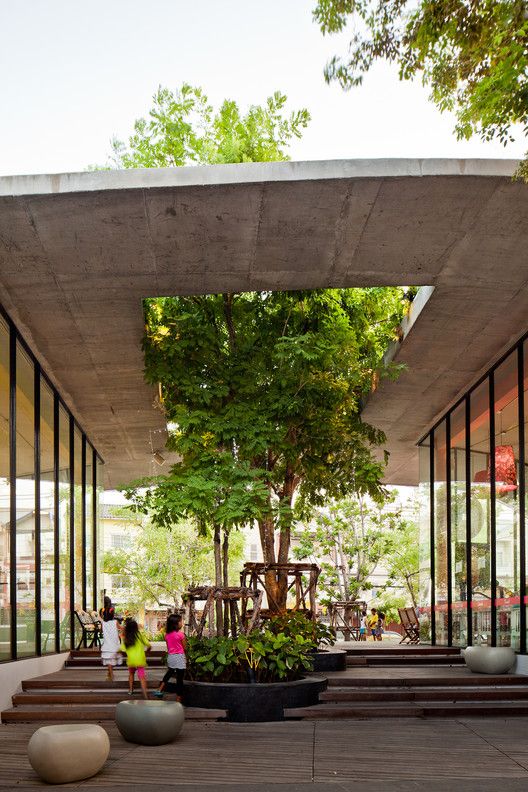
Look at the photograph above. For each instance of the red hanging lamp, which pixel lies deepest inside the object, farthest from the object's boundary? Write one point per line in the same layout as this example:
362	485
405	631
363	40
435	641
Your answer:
505	471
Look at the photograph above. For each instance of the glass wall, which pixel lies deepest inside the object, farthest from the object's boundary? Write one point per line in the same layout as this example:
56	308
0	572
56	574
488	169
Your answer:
48	508
478	518
440	533
457	466
5	491
425	572
47	519
26	556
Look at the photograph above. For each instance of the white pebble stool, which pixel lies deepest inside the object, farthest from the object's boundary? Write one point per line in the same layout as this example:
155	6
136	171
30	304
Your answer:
489	659
69	752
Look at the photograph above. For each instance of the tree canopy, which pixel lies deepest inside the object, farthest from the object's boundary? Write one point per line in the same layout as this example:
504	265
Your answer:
182	128
472	54
264	393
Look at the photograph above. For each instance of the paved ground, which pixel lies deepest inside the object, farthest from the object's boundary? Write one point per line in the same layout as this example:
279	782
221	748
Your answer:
371	755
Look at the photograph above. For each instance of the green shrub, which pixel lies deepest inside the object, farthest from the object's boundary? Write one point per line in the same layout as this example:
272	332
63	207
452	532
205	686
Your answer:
261	656
296	623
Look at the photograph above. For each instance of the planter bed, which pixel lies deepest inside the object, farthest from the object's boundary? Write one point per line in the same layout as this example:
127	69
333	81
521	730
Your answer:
247	702
326	660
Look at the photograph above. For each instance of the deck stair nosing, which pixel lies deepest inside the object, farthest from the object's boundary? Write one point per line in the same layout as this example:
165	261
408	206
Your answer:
73	712
452	693
415	681
328	710
399	649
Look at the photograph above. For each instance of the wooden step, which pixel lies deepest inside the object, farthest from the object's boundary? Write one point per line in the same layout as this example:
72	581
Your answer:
337	680
95	662
86	712
97	653
416	649
79	684
327	711
404	660
358	695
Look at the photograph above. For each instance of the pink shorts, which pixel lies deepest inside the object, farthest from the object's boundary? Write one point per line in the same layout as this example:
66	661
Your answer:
140	671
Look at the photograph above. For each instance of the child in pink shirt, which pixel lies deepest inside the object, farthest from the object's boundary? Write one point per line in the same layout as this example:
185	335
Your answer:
176	662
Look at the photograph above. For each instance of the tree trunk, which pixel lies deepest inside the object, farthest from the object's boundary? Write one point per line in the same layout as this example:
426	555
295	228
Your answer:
225	578
218	579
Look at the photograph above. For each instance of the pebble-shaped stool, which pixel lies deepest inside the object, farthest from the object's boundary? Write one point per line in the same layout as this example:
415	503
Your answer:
149	722
70	752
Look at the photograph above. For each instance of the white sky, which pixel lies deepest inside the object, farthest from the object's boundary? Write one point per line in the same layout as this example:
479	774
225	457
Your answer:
73	74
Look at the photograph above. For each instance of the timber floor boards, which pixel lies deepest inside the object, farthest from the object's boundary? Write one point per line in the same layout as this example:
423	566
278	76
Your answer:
466	754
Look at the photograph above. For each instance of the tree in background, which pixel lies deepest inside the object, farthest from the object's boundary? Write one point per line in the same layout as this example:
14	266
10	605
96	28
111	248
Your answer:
182	128
162	563
472	54
349	538
264	391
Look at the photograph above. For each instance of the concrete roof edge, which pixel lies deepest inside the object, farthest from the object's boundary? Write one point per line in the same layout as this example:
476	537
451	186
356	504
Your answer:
250	173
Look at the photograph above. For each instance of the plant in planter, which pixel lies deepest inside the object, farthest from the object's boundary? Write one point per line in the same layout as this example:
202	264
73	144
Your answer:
293	624
261	656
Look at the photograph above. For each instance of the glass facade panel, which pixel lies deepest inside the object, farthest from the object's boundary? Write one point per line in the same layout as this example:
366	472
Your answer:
424	502
440	532
64	528
78	512
506	407
47	502
457	464
47	519
25	504
89	547
5	543
480	494
524	528
98	528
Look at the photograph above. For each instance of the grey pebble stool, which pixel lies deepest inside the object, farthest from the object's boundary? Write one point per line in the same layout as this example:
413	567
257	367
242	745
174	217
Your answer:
149	722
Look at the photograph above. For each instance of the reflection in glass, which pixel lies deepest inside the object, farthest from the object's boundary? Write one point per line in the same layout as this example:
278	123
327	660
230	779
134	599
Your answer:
25	504
47	514
64	528
458	525
424	503
5	545
90	604
78	529
440	521
479	443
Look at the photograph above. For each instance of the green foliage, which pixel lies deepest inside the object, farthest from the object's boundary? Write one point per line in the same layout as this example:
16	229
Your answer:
164	561
263	656
295	623
182	128
472	55
348	539
402	562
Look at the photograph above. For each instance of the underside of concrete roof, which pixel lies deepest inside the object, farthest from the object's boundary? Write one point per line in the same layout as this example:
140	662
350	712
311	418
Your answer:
79	252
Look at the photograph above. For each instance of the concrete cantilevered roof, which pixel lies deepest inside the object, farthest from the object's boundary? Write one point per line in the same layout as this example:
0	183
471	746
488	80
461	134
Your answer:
78	252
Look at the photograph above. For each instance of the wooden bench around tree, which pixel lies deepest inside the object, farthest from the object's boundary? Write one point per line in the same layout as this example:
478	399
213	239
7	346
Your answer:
411	625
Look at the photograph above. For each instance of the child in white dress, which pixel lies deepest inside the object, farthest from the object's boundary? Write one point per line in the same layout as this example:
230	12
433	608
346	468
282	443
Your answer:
110	655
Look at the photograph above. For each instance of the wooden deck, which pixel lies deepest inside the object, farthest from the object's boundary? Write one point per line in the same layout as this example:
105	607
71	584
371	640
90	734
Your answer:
468	754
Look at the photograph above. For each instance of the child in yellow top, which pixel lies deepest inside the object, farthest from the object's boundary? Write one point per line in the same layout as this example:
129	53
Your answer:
372	622
134	646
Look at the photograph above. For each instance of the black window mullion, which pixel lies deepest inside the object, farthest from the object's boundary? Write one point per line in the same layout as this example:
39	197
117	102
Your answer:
469	571
38	543
493	513
72	533
83	518
432	538
12	490
448	530
56	506
522	503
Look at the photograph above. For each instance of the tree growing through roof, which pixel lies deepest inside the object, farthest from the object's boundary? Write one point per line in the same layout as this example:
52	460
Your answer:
349	538
264	391
472	54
